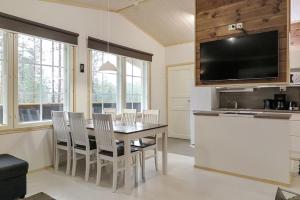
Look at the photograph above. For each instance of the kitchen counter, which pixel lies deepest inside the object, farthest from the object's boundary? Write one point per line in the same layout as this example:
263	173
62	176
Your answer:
250	144
259	110
247	113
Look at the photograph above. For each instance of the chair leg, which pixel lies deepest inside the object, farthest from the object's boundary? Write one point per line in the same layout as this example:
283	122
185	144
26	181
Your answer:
136	169
56	159
115	175
74	163
69	159
143	166
87	166
155	159
140	156
99	168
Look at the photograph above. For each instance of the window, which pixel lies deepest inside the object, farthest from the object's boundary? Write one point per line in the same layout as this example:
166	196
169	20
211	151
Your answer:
3	78
125	89
43	78
104	85
136	84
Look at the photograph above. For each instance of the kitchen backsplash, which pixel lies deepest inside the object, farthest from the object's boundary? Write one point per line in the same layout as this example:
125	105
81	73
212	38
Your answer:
255	99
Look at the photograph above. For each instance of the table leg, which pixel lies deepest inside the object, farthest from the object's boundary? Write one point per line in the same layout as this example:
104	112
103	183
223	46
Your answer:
165	152
127	150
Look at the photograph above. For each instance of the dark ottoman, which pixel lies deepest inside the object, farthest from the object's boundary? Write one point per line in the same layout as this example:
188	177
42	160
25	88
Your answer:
12	177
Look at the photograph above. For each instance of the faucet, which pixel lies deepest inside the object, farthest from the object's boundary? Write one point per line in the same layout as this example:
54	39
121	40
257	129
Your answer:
235	103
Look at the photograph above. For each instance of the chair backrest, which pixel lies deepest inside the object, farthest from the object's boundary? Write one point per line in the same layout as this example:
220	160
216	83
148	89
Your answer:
150	117
129	116
104	132
78	129
110	111
60	128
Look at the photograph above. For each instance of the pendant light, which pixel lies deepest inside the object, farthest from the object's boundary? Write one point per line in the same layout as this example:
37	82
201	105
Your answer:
108	66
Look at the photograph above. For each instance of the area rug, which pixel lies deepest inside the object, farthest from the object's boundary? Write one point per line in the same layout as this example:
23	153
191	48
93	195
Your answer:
40	196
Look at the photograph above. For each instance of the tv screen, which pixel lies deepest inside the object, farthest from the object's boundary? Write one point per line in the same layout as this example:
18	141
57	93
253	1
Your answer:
248	57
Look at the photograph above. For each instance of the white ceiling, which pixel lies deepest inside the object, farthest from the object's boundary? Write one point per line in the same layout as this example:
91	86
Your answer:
167	21
295	11
115	5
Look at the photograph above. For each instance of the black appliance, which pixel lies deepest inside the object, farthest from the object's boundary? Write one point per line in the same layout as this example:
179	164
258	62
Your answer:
269	104
293	105
254	56
280	101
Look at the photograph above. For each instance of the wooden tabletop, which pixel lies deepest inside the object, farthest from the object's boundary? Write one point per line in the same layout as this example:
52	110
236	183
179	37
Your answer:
125	128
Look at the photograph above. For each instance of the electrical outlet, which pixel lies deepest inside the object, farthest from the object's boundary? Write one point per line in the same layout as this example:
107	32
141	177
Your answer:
239	26
232	27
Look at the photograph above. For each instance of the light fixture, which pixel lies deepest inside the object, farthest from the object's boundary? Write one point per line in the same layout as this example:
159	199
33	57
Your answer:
108	66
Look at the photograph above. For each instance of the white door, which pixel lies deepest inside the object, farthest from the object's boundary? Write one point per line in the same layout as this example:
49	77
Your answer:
180	80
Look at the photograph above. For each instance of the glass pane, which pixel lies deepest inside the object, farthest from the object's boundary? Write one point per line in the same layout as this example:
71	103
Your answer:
47	50
37	50
129	66
26	47
56	54
97	60
137	102
104	85
109	84
29	83
3	78
1	45
137	86
111	57
29	112
137	67
128	85
41	88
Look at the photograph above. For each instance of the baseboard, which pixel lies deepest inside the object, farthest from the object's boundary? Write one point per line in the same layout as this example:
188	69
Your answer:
40	169
185	137
272	182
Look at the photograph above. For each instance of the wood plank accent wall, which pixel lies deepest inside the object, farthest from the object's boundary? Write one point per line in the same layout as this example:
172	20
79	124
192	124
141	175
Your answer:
214	16
295	34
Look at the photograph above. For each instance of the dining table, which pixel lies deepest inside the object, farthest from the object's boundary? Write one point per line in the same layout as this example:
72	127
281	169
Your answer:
129	132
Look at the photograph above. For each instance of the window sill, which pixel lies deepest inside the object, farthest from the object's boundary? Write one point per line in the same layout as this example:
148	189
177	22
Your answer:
24	129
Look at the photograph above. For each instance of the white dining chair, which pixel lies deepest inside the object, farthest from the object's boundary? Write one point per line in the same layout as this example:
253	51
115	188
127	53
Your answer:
128	116
82	144
111	111
62	138
148	143
109	151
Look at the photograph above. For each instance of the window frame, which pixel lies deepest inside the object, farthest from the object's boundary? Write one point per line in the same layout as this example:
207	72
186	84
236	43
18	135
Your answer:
10	89
121	79
16	118
90	81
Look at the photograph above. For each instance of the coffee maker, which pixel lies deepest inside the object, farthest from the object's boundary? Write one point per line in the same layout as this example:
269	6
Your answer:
280	102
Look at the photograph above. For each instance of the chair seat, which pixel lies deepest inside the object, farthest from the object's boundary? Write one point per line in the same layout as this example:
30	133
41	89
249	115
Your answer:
120	150
62	143
144	143
92	145
151	137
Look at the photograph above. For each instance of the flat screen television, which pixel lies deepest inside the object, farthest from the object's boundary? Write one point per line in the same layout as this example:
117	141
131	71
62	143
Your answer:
254	56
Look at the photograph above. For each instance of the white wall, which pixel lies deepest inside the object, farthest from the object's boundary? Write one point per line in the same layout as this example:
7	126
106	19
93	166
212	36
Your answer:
295	58
180	54
86	22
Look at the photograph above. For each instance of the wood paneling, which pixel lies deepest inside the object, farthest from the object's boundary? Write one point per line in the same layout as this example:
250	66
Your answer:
295	34
213	18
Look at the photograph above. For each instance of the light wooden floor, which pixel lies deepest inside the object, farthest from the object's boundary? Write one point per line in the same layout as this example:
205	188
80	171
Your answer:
183	182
